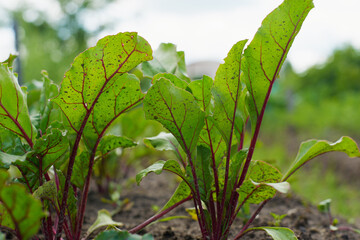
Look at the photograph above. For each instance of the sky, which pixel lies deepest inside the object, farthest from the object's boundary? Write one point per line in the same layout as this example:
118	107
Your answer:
207	29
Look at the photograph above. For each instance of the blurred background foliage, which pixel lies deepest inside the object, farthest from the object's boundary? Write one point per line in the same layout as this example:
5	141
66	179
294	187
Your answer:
321	102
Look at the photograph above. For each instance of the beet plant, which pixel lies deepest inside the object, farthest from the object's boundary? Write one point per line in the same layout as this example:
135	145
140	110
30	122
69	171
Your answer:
55	158
47	157
214	126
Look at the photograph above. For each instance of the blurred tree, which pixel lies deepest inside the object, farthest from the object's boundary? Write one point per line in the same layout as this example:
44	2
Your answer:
50	37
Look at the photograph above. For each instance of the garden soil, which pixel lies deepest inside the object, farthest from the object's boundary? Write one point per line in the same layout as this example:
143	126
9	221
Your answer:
304	219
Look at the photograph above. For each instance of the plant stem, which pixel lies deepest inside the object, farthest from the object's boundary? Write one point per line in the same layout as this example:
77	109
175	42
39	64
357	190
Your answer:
246	226
157	216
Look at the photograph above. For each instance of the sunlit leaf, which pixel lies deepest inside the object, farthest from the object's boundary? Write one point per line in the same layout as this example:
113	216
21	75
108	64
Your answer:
97	88
229	91
167	59
111	142
267	51
103	220
312	148
14	113
277	233
262	174
177	110
122	235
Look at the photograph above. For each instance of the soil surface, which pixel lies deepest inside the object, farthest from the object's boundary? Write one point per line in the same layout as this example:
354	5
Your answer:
304	219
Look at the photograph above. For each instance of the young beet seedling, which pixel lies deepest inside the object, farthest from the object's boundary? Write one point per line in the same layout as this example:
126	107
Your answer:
207	120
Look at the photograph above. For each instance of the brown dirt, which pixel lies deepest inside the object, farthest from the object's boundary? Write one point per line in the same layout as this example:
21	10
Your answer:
304	219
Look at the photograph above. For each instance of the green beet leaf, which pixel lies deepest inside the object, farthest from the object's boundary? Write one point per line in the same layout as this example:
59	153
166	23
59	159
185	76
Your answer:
167	60
277	233
8	159
202	165
177	110
267	51
312	148
51	147
49	90
229	92
169	165
201	90
14	113
18	209
103	220
97	89
163	141
111	142
46	191
80	169
255	188
182	192
172	78
122	235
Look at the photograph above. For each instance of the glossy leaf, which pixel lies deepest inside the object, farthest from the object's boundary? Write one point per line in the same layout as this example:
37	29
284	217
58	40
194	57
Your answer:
14	113
8	159
277	233
122	235
103	220
163	141
267	51
167	60
169	165
312	148
18	209
97	89
282	187
177	110
261	173
111	142
229	92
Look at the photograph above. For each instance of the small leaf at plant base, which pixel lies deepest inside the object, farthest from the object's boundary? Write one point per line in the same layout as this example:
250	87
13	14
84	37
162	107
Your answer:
18	209
46	191
324	206
169	165
192	213
163	141
111	142
277	233
259	172
103	220
13	105
122	235
267	51
177	110
312	148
